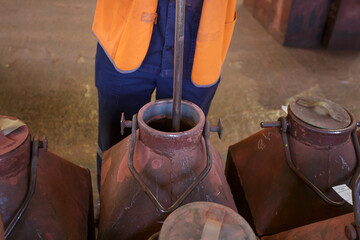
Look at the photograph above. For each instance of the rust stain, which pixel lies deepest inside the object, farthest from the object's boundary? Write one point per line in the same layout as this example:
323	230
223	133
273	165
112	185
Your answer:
123	170
13	181
105	169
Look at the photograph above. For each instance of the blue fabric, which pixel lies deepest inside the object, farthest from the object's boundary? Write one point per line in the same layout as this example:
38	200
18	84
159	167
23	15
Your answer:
119	92
160	56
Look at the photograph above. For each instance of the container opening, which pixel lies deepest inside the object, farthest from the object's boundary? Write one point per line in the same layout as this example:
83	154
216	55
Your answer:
164	124
159	116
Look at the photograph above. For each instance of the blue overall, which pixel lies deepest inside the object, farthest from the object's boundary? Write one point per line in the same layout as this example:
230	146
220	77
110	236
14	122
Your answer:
128	92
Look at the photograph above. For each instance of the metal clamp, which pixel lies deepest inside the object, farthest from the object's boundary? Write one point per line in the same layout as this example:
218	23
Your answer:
143	185
124	123
36	144
219	128
283	125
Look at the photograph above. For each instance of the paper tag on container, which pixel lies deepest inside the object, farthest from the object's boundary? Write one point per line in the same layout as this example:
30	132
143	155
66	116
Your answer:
345	192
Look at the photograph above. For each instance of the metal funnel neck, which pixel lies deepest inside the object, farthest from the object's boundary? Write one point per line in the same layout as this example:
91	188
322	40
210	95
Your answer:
155	125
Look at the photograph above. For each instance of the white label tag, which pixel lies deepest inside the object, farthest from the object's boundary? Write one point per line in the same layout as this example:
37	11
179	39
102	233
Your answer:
345	192
284	108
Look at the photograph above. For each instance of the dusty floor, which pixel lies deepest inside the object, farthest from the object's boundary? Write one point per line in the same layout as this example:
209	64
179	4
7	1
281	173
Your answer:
47	66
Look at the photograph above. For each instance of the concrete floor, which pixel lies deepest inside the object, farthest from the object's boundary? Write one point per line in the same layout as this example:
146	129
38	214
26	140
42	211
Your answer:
47	66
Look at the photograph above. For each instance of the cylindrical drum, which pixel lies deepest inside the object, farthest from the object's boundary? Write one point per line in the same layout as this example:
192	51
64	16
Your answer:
205	221
42	196
282	177
155	170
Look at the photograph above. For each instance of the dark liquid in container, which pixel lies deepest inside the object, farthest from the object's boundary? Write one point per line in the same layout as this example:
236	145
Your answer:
164	124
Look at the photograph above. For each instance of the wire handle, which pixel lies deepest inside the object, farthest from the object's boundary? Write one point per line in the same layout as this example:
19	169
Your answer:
143	185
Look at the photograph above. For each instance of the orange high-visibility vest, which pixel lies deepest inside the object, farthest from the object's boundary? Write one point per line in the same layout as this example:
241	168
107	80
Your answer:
124	27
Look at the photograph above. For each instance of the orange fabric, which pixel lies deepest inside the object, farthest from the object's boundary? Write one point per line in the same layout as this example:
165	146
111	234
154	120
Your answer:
216	27
124	28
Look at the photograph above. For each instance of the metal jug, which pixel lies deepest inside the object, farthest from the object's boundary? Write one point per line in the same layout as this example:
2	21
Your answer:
42	196
152	172
282	176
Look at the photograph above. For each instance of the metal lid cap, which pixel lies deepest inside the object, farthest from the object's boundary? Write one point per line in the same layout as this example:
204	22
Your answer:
321	113
13	133
205	220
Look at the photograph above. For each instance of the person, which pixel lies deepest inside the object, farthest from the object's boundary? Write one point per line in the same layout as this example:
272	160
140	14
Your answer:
135	55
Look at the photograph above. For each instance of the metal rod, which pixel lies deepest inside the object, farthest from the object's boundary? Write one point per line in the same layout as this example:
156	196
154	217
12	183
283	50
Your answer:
178	62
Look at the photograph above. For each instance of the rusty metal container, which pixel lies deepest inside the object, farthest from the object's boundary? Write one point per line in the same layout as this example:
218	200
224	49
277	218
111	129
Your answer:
345	227
298	23
343	29
205	220
282	176
152	172
42	196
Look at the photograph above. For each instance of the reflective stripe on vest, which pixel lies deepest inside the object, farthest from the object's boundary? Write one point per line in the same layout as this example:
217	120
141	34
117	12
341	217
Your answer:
124	28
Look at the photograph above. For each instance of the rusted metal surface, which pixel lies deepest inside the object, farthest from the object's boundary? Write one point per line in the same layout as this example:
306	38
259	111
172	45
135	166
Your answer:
261	11
61	204
339	228
188	190
2	233
306	23
205	221
330	229
31	189
168	163
343	31
267	184
249	4
272	15
299	23
352	230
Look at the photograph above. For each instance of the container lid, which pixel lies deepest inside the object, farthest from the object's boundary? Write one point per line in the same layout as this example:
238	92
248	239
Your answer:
13	133
320	113
205	221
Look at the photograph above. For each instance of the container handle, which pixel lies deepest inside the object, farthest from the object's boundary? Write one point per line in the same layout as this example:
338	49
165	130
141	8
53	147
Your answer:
143	185
213	224
36	144
329	109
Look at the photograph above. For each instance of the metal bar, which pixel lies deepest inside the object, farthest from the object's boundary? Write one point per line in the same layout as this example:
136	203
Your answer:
178	62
